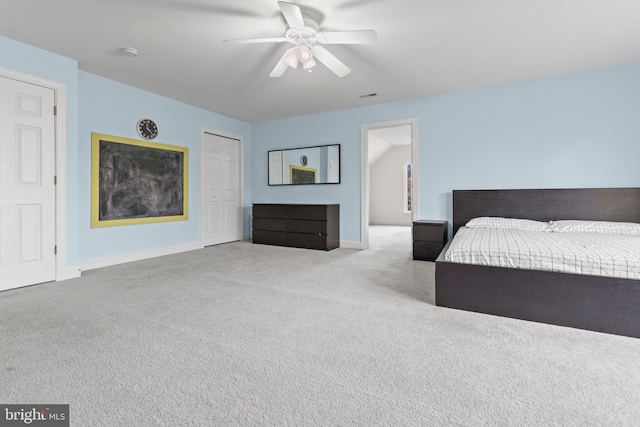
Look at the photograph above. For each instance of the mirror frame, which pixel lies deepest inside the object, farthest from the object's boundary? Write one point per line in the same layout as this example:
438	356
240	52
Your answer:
303	167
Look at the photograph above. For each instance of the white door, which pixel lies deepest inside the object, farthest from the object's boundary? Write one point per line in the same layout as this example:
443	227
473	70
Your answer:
27	188
220	189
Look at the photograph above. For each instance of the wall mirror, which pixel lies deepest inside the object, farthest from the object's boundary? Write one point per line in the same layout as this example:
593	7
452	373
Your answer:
308	165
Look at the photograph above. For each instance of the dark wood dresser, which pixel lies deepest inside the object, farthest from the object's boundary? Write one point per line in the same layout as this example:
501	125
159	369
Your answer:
429	238
299	226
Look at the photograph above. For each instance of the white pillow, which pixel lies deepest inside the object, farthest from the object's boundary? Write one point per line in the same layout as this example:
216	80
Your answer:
575	226
512	223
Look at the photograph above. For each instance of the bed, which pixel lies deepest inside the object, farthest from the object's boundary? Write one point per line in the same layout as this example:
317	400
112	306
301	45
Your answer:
584	301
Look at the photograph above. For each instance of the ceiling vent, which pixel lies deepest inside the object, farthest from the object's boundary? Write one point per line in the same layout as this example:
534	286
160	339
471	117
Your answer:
130	52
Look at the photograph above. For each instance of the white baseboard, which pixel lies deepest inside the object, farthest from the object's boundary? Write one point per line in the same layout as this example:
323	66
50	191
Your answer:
348	244
68	273
92	264
408	224
137	256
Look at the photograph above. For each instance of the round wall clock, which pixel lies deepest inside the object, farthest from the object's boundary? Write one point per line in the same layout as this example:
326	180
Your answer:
147	129
303	160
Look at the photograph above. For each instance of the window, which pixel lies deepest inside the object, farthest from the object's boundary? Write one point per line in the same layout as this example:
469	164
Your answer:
407	188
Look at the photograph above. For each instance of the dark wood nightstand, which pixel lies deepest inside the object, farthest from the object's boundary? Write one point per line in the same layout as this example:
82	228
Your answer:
429	238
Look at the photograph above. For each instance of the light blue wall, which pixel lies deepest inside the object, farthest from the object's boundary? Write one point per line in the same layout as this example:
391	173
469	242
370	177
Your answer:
114	108
36	62
306	131
95	104
578	130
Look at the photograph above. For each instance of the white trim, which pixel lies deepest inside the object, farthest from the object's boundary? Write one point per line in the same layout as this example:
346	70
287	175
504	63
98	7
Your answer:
203	130
364	172
415	194
394	223
71	273
138	256
364	186
349	244
60	89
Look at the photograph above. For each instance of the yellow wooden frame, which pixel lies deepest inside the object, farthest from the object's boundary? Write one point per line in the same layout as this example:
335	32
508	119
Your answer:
302	168
95	181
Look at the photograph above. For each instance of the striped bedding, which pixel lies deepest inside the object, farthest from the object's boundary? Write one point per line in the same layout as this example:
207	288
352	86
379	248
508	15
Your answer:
596	254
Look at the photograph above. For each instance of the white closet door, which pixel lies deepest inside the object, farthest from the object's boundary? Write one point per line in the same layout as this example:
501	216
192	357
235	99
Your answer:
220	189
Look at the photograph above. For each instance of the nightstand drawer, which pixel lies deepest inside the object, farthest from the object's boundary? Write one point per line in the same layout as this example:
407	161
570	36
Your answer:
430	231
426	251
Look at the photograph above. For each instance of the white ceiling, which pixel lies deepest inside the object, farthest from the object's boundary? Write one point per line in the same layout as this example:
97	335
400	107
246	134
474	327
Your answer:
425	47
393	135
384	139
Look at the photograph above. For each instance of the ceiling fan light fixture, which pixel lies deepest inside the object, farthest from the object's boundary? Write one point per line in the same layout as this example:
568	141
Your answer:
304	53
309	64
306	57
292	59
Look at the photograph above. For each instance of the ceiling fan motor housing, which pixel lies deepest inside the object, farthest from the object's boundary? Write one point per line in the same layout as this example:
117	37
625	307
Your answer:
306	35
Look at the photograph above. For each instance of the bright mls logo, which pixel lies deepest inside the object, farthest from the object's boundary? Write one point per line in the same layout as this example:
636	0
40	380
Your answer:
34	415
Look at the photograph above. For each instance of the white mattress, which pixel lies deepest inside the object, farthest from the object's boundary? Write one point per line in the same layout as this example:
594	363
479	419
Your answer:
596	254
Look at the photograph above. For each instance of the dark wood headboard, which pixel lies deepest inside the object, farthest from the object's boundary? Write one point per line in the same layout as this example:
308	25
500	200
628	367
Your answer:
596	204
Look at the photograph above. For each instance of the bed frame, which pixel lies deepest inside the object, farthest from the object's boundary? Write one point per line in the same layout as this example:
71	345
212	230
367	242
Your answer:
602	304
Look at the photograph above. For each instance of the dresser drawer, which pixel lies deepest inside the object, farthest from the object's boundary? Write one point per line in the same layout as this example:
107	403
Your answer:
270	211
269	237
308	241
306	227
270	224
308	212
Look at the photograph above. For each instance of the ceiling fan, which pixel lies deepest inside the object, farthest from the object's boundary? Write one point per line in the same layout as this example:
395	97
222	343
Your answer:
304	33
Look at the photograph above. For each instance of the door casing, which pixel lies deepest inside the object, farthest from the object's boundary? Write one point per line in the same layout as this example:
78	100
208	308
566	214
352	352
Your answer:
364	172
240	219
60	122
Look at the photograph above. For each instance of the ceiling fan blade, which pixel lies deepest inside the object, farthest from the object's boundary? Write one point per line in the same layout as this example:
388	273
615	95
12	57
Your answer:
331	62
260	40
348	37
281	66
292	14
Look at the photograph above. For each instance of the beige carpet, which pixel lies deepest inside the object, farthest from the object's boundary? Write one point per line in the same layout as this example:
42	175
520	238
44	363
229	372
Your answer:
391	238
249	335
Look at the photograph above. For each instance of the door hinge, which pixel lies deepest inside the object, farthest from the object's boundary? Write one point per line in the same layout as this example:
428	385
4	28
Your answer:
55	180
55	250
55	110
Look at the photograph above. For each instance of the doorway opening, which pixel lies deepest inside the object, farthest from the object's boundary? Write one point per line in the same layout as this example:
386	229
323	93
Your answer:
388	184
